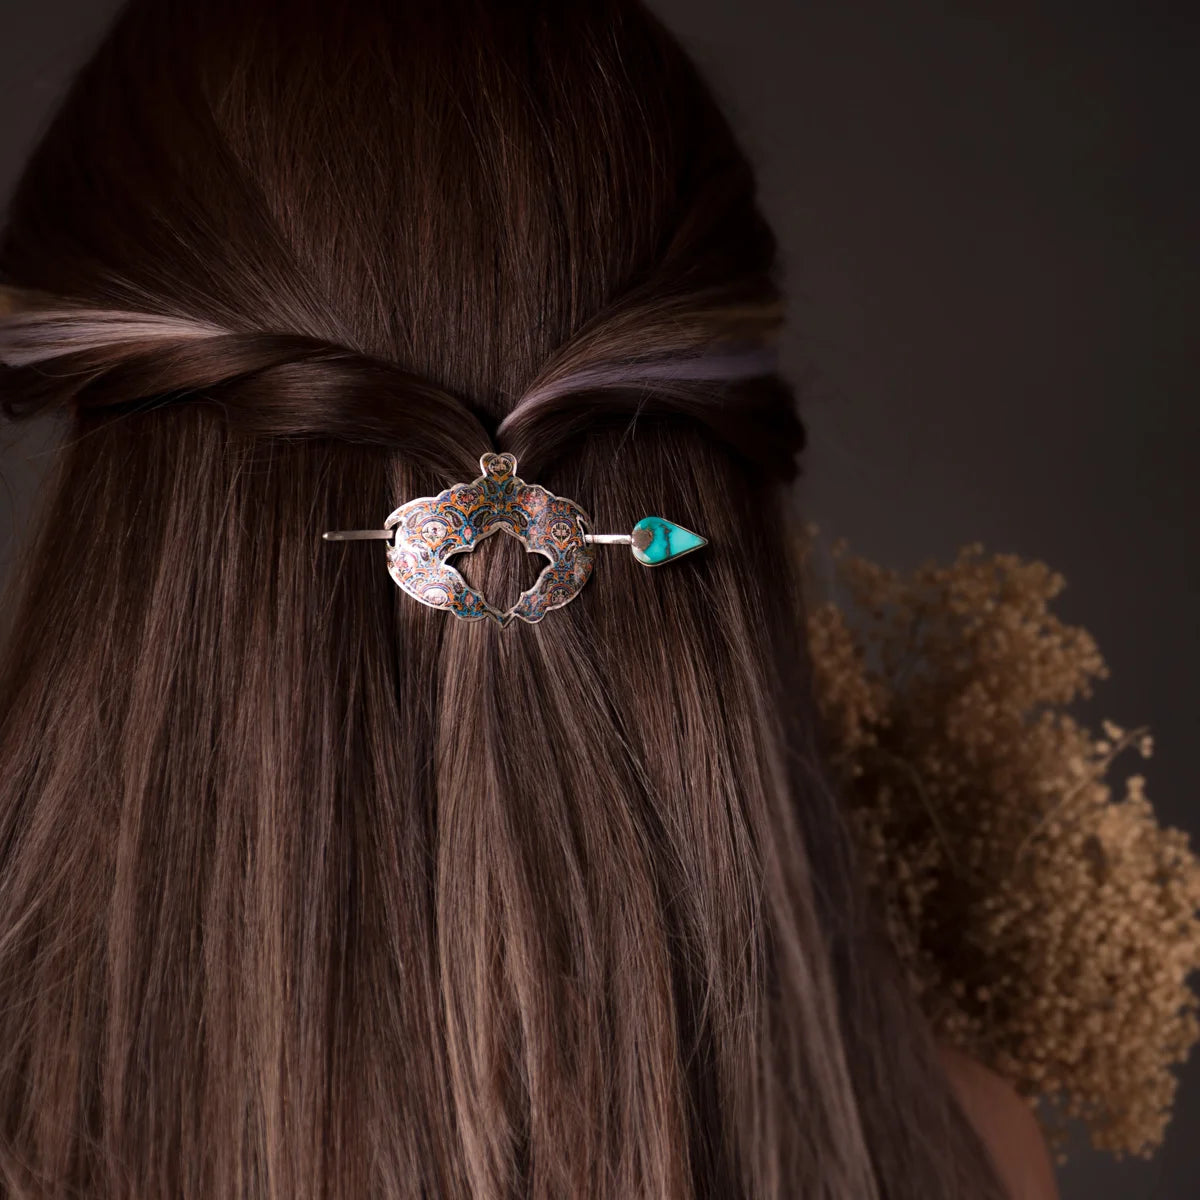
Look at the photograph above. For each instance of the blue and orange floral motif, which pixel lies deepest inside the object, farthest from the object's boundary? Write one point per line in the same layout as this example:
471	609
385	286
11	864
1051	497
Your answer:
431	529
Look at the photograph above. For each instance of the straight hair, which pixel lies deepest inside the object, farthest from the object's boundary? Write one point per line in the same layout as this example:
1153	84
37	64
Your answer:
306	889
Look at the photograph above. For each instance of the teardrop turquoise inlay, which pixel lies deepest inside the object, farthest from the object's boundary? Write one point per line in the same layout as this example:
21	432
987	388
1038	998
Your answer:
657	540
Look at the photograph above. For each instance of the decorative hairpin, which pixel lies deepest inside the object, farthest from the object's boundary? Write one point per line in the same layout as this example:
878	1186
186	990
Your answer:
428	531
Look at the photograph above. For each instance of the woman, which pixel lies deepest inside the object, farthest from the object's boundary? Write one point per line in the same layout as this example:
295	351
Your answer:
309	889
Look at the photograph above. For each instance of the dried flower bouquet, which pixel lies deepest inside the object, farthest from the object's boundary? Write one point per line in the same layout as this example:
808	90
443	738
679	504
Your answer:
1046	919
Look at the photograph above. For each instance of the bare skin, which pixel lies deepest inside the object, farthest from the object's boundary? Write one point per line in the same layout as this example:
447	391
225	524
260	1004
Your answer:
1007	1125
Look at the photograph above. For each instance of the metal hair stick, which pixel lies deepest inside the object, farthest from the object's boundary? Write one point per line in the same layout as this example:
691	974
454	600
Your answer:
427	531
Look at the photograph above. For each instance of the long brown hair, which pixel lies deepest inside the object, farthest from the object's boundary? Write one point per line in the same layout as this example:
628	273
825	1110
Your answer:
305	888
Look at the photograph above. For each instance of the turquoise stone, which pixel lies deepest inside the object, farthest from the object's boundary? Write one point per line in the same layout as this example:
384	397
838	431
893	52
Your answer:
657	540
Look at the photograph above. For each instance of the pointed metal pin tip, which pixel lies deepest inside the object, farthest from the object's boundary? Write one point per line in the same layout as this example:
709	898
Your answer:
356	535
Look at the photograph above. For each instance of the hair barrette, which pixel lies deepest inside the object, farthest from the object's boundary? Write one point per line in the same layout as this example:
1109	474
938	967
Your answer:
427	531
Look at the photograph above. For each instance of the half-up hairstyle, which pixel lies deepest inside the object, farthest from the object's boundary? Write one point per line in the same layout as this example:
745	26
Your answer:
307	890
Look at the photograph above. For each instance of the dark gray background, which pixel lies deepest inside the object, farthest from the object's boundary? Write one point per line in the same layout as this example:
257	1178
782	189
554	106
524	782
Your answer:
986	215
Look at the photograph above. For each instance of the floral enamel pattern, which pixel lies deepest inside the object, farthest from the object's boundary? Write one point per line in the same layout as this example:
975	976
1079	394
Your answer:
432	529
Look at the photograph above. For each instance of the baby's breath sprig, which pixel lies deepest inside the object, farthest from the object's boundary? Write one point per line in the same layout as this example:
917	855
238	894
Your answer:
1049	924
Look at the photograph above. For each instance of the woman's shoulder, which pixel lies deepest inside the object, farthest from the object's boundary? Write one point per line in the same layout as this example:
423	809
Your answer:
1006	1123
